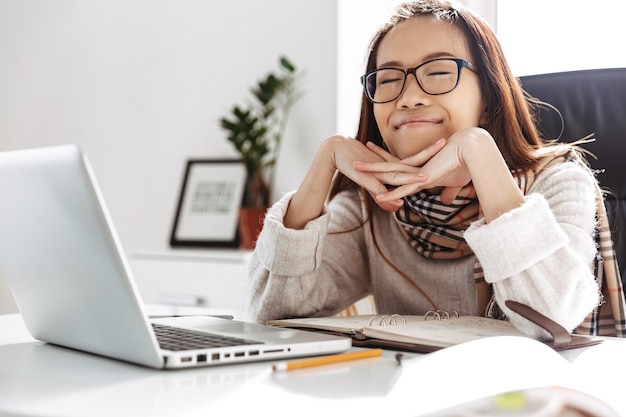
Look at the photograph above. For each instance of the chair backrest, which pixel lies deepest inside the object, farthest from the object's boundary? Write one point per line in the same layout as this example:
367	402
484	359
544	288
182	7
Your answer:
591	102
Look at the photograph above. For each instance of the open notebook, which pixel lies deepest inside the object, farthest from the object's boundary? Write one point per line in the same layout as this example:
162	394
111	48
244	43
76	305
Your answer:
434	330
71	282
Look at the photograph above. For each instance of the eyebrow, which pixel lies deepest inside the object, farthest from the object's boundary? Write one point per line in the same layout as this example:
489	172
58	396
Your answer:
424	59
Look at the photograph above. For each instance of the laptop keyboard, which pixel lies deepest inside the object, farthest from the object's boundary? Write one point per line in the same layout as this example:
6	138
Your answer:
174	338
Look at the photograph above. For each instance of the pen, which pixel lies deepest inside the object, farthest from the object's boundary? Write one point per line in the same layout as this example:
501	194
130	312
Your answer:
326	360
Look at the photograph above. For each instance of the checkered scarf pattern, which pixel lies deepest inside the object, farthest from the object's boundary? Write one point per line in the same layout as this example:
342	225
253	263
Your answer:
435	230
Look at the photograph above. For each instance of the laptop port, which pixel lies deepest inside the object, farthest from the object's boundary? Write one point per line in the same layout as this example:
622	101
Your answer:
253	353
239	354
215	356
201	358
185	359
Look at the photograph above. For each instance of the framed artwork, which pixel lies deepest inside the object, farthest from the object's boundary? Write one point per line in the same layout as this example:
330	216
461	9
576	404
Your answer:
208	207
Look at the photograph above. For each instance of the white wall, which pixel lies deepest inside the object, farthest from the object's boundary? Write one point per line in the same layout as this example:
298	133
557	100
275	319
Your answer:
140	85
566	35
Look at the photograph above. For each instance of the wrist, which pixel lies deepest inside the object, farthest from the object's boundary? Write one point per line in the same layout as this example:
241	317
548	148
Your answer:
496	189
325	160
308	201
477	143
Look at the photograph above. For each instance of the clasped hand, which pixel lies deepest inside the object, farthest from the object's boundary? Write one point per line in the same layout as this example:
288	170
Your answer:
441	167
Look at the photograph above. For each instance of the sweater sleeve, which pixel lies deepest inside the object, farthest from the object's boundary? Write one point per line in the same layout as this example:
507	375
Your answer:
297	273
541	253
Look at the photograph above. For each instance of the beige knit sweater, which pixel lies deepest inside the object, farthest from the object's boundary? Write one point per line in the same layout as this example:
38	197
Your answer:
539	254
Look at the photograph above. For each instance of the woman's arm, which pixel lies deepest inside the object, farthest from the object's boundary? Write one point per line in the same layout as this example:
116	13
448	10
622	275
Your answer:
318	270
298	268
540	254
337	153
495	187
540	248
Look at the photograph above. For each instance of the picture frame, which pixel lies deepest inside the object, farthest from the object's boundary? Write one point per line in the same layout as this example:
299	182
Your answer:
207	213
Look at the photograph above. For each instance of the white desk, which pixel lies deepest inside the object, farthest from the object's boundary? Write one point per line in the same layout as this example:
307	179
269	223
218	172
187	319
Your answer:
38	379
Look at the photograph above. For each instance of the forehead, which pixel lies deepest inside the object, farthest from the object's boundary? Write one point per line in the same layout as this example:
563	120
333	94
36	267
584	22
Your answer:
421	38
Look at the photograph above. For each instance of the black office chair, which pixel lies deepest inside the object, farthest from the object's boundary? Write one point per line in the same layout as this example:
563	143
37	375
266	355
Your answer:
591	102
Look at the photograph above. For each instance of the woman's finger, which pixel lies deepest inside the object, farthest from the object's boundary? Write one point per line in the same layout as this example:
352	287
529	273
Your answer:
390	206
424	156
391	174
398	193
381	152
449	194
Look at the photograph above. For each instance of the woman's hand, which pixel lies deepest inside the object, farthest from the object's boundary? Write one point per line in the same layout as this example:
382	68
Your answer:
469	155
337	153
446	169
438	166
346	153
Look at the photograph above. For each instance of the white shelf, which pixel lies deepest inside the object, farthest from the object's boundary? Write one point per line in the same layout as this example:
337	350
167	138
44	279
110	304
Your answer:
208	278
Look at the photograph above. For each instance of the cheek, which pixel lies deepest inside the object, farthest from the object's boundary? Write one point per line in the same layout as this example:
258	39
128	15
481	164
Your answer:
479	112
476	109
474	117
378	115
467	101
467	113
381	115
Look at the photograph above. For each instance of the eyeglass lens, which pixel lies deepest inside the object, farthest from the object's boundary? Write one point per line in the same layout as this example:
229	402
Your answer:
434	77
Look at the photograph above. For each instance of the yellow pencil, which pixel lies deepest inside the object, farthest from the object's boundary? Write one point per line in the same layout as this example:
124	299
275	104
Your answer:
326	360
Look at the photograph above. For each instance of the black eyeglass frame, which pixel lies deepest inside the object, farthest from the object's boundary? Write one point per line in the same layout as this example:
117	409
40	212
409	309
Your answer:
460	64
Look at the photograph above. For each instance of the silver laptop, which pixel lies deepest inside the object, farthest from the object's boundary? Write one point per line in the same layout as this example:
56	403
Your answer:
72	284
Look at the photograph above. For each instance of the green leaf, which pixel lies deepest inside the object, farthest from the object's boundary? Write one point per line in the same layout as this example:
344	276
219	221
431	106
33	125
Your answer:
255	129
286	64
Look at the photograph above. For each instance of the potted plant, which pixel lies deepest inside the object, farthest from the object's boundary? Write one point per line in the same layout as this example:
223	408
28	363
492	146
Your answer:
255	130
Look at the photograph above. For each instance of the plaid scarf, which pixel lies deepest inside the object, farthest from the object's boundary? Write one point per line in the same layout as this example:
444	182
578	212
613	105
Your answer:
435	230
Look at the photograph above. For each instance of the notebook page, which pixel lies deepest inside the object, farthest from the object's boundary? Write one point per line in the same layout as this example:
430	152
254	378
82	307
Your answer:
443	333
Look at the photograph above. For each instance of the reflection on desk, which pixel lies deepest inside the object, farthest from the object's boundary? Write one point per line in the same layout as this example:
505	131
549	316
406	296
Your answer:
39	379
47	378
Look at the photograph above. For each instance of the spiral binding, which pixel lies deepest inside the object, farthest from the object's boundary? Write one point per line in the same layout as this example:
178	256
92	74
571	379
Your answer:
397	319
441	314
385	320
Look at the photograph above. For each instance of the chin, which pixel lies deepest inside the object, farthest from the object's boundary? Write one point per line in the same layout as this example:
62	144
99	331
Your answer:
411	148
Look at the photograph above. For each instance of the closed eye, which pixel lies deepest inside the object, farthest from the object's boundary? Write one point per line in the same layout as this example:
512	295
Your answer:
390	80
440	73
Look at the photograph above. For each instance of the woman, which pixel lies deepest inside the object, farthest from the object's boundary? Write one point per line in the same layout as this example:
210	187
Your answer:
448	197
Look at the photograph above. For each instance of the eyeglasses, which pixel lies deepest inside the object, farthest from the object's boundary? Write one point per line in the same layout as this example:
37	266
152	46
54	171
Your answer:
435	77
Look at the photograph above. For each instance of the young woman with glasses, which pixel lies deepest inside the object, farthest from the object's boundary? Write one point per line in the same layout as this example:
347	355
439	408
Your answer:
448	198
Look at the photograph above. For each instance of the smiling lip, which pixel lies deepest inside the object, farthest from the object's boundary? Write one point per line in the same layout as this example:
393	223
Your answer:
417	121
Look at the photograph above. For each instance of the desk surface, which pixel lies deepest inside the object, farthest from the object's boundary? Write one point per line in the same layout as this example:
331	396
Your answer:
39	379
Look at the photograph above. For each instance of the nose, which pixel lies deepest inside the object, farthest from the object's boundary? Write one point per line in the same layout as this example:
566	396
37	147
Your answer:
412	94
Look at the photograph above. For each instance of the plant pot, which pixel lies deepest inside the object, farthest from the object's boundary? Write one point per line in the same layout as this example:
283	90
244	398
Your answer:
250	225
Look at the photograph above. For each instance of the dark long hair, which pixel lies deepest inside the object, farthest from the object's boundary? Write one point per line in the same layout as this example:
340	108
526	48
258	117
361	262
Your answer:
510	116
